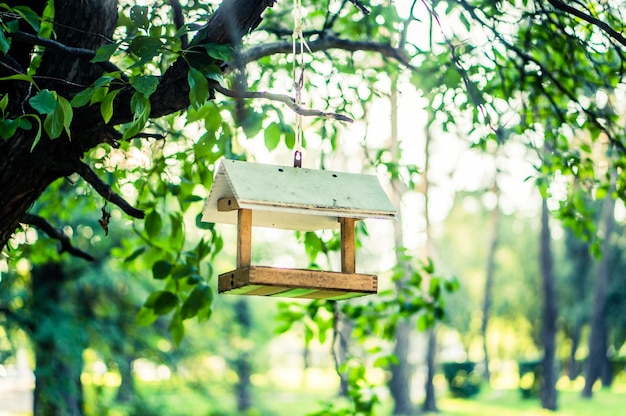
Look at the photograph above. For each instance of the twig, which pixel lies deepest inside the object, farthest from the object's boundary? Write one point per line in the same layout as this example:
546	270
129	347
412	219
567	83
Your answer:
359	5
289	101
105	190
46	227
589	19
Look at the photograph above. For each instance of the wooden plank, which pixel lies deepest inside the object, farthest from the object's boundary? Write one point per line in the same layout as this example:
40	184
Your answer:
348	255
244	237
298	283
227	204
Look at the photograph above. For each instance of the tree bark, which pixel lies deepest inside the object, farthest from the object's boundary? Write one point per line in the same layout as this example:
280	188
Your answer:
399	385
430	399
549	315
573	370
430	402
87	25
243	367
598	335
489	278
400	382
58	345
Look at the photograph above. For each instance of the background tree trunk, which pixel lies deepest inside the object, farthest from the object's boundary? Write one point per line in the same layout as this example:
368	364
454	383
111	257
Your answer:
243	366
58	344
598	334
400	383
550	313
428	251
430	402
489	277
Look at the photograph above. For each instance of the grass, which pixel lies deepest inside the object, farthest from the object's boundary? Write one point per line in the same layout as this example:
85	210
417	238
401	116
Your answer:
510	403
298	400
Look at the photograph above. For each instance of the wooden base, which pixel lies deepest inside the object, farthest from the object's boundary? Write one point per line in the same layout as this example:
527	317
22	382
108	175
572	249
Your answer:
296	283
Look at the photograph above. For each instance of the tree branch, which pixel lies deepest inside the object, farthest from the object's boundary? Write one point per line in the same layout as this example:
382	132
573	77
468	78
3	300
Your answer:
329	42
105	190
46	227
179	21
558	4
289	101
82	53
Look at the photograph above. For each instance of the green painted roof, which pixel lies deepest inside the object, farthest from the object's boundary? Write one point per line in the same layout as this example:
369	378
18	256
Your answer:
295	198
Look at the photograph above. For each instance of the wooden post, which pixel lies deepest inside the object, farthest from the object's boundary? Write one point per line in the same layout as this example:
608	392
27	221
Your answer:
244	237
348	258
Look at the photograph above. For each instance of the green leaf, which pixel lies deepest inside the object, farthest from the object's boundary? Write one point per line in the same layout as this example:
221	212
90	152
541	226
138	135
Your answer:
106	106
4	43
198	299
164	302
4	102
8	127
219	52
82	97
68	114
134	254
139	16
424	321
252	123
145	47
29	15
104	52
290	136
145	316
38	134
19	77
140	106
272	135
161	269
145	84
198	88
53	123
177	328
44	102
99	94
153	224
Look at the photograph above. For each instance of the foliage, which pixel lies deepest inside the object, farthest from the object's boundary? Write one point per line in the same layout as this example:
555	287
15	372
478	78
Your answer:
421	299
462	380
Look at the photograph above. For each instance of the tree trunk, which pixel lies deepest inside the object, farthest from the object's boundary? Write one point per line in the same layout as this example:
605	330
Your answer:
86	25
341	334
489	277
430	400
598	335
58	345
242	364
126	391
430	403
573	370
400	382
549	315
399	385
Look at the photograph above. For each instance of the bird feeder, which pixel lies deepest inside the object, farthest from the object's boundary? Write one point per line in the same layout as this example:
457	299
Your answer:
251	194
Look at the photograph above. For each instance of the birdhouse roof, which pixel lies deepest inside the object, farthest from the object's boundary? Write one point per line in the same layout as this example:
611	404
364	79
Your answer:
294	198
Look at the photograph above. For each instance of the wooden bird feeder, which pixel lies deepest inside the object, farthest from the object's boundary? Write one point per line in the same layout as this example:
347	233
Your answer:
251	194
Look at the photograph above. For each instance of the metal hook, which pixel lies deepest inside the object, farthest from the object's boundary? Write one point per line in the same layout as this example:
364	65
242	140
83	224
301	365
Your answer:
297	159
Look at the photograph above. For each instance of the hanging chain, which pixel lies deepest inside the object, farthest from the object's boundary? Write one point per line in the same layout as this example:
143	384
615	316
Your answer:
298	76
